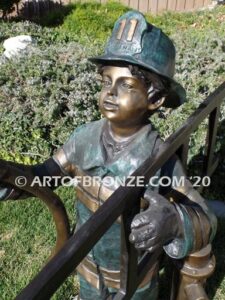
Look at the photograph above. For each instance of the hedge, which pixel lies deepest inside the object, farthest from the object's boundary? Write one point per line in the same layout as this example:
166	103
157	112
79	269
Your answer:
54	88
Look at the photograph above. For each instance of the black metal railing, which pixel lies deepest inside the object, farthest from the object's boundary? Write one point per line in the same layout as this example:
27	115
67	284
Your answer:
125	201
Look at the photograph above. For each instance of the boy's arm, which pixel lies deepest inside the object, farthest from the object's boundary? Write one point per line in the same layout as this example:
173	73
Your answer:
198	221
48	168
58	165
181	225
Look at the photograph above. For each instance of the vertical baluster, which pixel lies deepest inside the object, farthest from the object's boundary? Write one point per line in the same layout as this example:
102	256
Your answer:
129	256
183	153
210	162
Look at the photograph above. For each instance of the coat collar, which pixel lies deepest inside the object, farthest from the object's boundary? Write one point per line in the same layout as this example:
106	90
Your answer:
90	154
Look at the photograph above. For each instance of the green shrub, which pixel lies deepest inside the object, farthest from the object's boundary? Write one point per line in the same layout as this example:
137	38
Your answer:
92	22
44	98
44	36
54	89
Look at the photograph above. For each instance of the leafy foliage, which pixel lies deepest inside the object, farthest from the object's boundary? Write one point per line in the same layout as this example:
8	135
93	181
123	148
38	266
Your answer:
45	94
53	90
92	21
44	98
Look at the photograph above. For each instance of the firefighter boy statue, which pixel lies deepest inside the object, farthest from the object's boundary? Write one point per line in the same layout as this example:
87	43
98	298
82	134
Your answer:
137	71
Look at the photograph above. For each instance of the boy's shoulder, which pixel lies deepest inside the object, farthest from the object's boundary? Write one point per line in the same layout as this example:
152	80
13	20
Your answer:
88	129
89	125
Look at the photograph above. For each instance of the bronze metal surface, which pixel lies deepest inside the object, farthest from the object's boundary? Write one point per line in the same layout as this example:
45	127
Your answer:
196	269
91	203
63	162
124	100
197	229
91	275
111	278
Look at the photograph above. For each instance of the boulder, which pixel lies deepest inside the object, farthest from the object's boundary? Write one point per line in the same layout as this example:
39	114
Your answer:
17	45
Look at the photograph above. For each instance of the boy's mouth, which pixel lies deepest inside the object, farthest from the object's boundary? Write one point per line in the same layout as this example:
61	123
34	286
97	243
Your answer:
108	105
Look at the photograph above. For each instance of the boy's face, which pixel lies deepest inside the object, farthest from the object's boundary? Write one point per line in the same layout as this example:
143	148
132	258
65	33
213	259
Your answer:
123	98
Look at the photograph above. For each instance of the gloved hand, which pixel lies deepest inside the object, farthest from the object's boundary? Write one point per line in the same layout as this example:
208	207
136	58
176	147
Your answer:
11	191
5	190
156	226
14	170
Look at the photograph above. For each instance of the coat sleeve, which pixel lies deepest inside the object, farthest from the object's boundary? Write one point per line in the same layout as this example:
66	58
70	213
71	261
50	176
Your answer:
199	223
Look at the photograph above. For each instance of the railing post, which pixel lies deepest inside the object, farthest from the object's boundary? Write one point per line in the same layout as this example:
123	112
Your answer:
182	152
210	161
129	255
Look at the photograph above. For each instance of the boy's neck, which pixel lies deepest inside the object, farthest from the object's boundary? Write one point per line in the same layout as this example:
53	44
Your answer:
123	133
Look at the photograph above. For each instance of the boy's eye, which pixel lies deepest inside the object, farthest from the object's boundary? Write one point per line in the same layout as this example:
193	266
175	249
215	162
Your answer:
127	85
106	82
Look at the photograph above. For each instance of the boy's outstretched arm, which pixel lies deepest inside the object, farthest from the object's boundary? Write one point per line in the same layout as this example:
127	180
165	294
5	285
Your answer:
48	168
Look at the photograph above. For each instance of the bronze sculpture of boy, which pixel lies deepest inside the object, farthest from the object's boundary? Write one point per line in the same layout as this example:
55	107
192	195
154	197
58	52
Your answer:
137	71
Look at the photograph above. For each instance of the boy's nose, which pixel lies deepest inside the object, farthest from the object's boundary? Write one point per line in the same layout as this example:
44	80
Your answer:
112	91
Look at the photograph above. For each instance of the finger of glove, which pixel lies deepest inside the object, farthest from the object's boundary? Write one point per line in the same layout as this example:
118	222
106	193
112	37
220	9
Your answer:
140	220
142	234
154	248
150	243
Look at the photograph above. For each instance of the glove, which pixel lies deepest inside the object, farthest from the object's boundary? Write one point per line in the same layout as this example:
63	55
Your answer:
5	191
9	191
156	226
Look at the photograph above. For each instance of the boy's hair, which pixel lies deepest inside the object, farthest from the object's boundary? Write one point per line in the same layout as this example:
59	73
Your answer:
153	81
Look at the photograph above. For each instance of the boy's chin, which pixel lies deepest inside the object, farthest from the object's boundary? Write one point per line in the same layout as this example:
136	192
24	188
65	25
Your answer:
110	115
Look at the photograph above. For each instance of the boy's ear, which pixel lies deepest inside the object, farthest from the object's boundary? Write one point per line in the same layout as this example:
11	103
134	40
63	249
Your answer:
155	100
